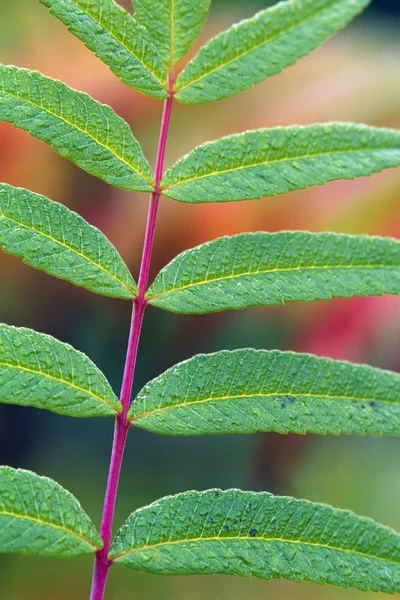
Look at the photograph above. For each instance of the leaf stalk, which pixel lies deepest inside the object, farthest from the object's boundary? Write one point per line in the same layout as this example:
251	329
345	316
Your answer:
122	424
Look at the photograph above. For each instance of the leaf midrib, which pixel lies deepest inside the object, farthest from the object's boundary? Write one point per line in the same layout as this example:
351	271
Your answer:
49	524
71	248
172	33
252	538
265	272
75	126
112	34
257	395
256	47
243	167
60	380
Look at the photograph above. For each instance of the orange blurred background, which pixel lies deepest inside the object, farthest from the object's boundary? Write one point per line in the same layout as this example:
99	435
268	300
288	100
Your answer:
354	77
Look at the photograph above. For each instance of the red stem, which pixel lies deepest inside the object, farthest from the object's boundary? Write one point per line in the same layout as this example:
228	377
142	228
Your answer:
102	563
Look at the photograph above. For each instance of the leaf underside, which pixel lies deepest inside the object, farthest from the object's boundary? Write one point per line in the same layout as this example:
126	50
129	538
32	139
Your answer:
248	390
86	132
264	45
38	516
54	239
173	24
37	370
264	269
247	533
267	162
117	39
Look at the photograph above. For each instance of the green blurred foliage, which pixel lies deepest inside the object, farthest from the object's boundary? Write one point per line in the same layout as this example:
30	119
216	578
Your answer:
354	77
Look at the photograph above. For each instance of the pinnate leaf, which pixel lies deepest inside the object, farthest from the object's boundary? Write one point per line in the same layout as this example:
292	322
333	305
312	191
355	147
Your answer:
267	162
38	370
247	533
86	132
117	39
264	45
54	239
38	516
173	24
248	390
256	269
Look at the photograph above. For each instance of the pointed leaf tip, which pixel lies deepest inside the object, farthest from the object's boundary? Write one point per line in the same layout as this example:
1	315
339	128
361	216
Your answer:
173	24
117	39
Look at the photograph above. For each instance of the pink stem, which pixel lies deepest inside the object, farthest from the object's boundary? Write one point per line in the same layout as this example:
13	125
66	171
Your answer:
102	562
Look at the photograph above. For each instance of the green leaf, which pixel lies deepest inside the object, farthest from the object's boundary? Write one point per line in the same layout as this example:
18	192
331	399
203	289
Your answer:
38	516
117	39
256	269
173	24
52	238
38	370
74	125
246	391
267	162
247	533
262	46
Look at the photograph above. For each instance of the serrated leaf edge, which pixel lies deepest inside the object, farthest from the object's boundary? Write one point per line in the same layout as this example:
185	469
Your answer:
132	291
221	353
129	50
235	26
269	161
61	380
249	537
74	125
151	298
49	523
266	494
64	381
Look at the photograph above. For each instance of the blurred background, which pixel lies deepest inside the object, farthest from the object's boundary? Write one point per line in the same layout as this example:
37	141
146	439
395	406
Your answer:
354	77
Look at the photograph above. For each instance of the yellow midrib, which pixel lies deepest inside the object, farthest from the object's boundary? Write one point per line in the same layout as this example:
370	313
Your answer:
59	380
75	126
234	397
70	248
257	46
250	538
245	166
265	272
117	39
49	524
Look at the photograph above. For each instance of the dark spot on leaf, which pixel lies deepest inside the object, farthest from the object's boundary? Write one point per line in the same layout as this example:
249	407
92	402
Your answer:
288	399
211	519
217	494
227	527
283	405
373	404
252	532
363	406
